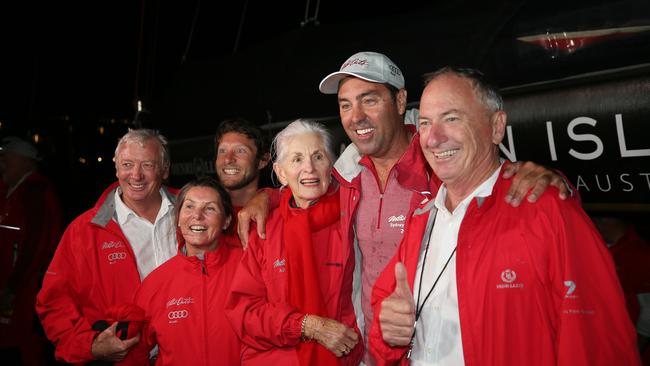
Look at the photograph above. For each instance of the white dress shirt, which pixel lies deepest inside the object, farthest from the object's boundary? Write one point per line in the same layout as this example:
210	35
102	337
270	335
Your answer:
152	244
438	335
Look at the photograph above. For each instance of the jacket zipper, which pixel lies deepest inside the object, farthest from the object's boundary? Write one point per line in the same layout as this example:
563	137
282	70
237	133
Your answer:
204	279
381	206
381	196
382	192
121	236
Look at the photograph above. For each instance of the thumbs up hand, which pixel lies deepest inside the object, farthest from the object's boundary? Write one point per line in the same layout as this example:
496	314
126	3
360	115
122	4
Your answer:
397	314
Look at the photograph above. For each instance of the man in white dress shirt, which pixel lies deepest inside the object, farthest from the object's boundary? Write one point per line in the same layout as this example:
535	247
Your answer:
493	285
107	251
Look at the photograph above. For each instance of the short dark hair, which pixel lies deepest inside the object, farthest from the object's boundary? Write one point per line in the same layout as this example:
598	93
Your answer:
204	181
392	90
244	127
486	90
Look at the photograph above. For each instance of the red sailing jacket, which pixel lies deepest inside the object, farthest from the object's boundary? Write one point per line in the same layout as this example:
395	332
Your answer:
93	268
184	301
536	286
33	208
413	172
256	307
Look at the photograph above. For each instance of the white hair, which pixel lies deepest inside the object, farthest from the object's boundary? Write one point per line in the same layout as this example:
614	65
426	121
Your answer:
301	127
142	135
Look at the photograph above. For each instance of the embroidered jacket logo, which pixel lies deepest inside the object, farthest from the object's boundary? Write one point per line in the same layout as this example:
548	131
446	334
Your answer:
508	277
394	218
571	287
114	257
397	221
175	315
280	265
180	301
112	244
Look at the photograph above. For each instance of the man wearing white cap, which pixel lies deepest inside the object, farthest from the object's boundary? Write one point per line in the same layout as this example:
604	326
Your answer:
383	174
30	226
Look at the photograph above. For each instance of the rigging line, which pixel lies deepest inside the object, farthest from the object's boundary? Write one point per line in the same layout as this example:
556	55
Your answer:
149	85
306	13
241	27
191	35
316	13
309	19
138	66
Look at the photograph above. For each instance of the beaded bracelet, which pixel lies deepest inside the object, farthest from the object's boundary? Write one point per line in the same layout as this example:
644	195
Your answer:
303	338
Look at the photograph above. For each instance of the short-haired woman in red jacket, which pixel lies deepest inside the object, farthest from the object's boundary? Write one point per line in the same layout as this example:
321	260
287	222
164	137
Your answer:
184	297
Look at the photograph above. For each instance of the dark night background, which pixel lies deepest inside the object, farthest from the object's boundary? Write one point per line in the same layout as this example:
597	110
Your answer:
72	72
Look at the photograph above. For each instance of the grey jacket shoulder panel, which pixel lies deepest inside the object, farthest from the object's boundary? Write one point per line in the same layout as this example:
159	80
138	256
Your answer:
429	206
347	165
107	209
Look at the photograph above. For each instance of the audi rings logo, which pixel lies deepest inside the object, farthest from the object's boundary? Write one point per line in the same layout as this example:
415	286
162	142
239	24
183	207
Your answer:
112	257
177	314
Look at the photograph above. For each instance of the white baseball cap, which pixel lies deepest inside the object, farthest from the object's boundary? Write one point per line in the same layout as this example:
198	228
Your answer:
370	66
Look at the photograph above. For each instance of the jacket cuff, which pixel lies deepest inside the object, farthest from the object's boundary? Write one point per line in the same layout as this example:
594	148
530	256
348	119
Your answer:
380	351
293	331
80	351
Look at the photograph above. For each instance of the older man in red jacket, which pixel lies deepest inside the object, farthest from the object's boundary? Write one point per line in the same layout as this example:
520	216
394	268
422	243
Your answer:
493	285
107	251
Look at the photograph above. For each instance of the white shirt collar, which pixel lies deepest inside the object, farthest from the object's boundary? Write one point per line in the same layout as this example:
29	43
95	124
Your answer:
483	190
123	212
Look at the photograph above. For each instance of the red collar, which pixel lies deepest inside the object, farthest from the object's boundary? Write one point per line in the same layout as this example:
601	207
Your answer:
412	170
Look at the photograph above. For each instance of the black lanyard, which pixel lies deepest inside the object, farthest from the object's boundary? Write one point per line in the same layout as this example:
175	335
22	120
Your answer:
419	307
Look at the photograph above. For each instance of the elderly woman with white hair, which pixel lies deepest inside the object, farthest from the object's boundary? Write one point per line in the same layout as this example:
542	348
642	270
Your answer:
290	301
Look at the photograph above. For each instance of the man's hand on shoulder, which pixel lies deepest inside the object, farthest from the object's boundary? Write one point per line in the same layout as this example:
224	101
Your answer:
535	178
256	210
